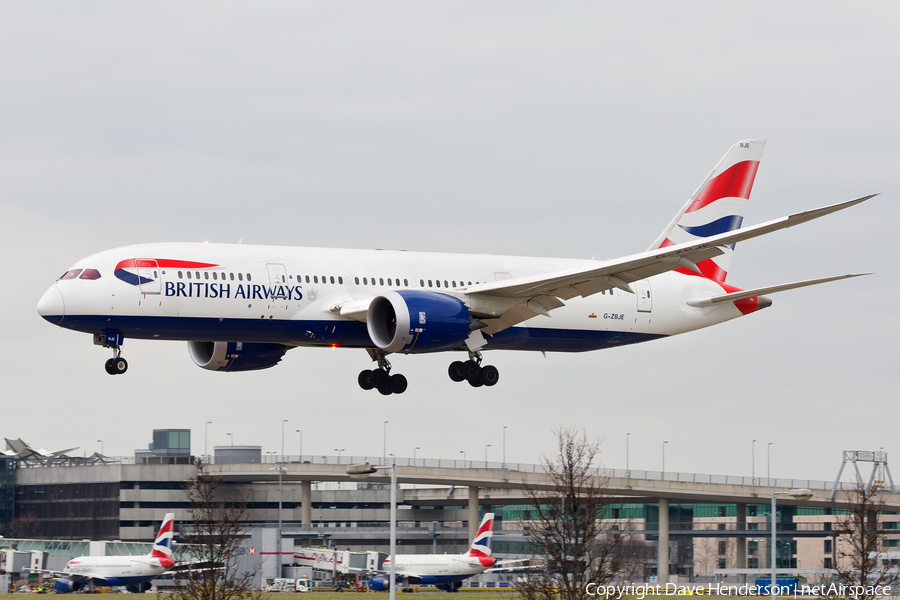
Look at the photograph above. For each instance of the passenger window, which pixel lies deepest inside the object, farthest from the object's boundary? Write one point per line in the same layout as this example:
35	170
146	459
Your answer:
205	274
445	283
307	279
331	279
240	276
215	275
470	283
437	282
389	281
365	281
315	279
421	283
341	280
248	276
429	283
356	279
189	274
380	281
454	283
179	274
90	274
405	284
155	274
231	276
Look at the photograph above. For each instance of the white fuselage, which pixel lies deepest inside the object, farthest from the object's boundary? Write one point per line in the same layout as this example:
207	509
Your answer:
116	570
287	295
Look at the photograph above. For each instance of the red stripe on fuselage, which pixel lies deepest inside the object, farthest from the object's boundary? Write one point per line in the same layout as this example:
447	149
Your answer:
129	263
734	182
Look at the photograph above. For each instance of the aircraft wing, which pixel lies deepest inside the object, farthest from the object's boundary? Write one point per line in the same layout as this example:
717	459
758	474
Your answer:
71	576
585	281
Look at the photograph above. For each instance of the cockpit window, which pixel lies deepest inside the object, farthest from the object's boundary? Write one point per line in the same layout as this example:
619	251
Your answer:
90	274
74	273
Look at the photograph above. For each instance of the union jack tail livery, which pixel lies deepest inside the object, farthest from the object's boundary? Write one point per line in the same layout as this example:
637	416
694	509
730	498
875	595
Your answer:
162	547
718	206
482	545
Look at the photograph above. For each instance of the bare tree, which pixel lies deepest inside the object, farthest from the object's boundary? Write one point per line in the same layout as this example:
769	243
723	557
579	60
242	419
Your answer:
861	560
574	527
219	524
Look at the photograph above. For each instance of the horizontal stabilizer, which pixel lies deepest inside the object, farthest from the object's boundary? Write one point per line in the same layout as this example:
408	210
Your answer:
744	294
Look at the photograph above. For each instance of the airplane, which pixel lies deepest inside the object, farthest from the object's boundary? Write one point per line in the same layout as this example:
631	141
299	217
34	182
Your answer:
133	572
241	307
445	571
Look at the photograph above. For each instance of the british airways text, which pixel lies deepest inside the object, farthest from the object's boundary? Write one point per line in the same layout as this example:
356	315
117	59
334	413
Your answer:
226	290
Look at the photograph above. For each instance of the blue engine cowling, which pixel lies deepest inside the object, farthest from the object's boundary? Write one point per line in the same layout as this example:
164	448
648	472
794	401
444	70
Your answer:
379	584
235	356
412	321
67	586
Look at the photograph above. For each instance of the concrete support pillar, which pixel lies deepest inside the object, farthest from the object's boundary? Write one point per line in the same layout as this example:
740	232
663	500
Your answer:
741	542
306	503
473	512
662	557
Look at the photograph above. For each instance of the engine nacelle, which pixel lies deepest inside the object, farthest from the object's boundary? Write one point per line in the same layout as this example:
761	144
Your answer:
235	356
379	584
67	586
412	321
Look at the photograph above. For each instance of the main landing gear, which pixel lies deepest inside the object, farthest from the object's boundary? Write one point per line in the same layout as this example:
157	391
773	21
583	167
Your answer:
473	372
381	378
116	365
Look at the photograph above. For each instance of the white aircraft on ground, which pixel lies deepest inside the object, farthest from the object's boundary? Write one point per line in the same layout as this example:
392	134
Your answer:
241	307
134	572
445	571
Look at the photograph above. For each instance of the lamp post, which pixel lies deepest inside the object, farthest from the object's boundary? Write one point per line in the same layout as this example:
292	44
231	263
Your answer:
363	471
384	444
205	438
486	446
232	439
301	443
463	452
664	458
414	455
797	494
504	447
101	447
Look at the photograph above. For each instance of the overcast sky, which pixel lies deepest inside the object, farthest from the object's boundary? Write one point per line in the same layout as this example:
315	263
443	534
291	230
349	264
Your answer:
534	128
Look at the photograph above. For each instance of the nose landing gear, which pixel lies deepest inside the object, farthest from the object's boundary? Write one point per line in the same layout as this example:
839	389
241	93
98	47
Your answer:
472	371
115	365
381	378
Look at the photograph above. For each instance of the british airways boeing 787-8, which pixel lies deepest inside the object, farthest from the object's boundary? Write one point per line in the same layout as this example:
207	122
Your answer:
241	307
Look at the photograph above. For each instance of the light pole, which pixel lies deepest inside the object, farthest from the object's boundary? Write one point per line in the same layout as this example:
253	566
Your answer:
664	458
339	450
232	439
769	464
753	465
414	454
796	494
504	447
384	444
301	443
205	438
101	447
363	471
486	446
463	452
283	421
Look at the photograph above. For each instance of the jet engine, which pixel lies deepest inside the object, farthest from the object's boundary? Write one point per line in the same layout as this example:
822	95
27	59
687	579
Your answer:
413	321
235	356
379	584
67	586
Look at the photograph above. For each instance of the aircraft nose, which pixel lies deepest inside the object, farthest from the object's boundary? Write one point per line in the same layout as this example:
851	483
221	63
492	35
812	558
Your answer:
51	306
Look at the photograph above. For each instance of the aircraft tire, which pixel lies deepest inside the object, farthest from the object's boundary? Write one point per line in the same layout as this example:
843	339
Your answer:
365	380
489	375
120	365
384	390
110	366
471	370
456	371
398	384
380	378
476	382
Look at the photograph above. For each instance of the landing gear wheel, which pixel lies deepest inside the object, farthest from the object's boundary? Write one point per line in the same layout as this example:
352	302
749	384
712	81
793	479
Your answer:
384	390
456	371
489	375
471	370
380	378
397	384
476	382
110	366
365	380
120	365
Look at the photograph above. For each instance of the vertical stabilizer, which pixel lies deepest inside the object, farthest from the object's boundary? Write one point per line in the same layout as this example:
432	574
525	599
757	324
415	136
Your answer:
482	545
162	547
717	206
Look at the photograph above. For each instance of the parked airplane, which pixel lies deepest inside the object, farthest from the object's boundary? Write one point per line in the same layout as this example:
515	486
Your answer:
445	571
134	572
241	307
